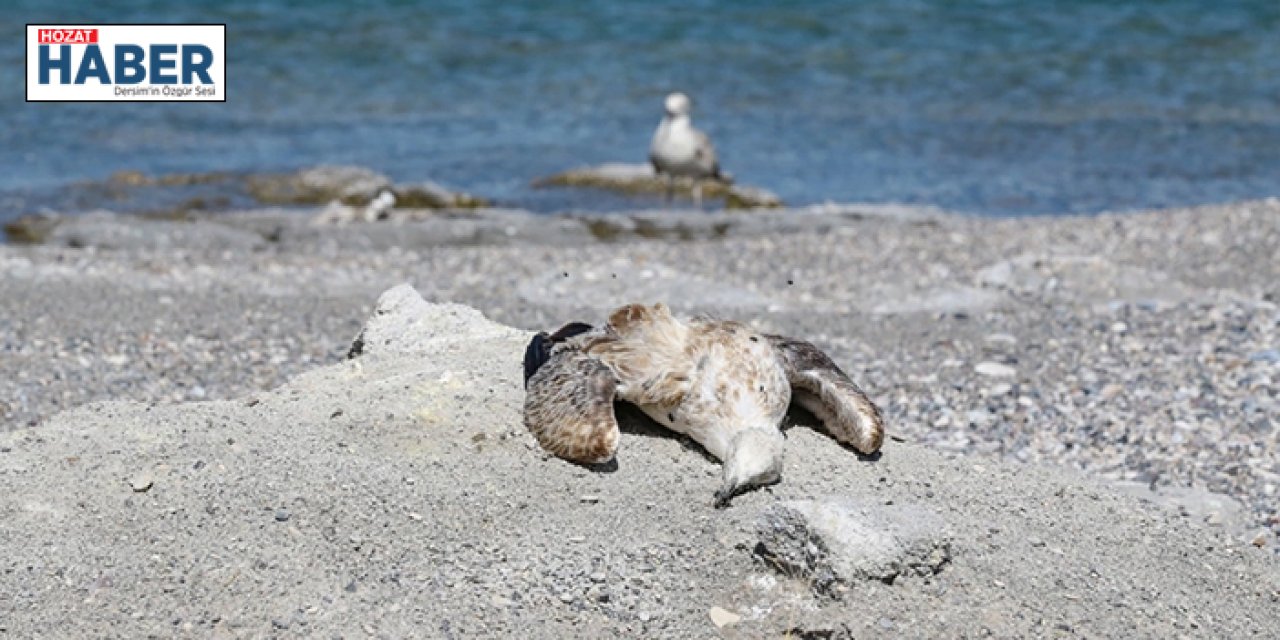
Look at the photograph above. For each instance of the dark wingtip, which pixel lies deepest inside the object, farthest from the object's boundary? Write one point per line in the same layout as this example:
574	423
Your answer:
539	349
570	330
536	355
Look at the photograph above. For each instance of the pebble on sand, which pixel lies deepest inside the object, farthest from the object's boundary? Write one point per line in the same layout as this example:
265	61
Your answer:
995	369
723	617
142	482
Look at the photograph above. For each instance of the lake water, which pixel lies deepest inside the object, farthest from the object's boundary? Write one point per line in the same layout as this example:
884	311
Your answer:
996	107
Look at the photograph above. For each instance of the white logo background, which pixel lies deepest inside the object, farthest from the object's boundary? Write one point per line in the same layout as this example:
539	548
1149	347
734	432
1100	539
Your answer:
109	35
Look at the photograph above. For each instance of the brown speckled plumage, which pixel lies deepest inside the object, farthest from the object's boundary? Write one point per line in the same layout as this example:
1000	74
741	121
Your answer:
719	382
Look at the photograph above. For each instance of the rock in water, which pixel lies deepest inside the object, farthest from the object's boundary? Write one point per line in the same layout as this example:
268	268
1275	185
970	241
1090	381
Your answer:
641	179
318	185
353	186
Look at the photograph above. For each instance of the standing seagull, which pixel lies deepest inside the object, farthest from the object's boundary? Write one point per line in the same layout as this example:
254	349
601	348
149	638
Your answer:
680	150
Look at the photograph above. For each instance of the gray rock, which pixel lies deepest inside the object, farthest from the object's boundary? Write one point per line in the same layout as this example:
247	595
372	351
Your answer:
641	179
352	186
404	323
429	195
318	185
837	541
32	228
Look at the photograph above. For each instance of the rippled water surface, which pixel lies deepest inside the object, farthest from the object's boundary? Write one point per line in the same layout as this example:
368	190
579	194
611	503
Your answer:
996	107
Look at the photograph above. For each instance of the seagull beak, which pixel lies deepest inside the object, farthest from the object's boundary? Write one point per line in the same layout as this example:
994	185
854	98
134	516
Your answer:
727	492
723	497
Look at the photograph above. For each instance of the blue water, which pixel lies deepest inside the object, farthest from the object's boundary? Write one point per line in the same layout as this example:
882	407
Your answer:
996	107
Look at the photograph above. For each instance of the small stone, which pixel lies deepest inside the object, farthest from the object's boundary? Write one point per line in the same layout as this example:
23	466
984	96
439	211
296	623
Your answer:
1119	327
598	576
1111	391
282	515
577	539
995	369
979	417
142	482
567	597
1000	389
589	499
723	618
1259	540
1266	355
1000	341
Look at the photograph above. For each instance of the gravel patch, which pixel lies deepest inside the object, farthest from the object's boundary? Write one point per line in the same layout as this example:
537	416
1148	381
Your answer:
1138	348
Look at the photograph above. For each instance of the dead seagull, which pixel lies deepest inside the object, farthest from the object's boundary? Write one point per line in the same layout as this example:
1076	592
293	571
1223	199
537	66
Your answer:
721	383
678	150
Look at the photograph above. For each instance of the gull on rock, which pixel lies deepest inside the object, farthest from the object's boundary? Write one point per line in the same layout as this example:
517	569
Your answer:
679	150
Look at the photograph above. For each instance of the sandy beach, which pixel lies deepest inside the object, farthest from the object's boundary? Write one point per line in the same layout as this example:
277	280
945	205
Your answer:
1129	357
269	353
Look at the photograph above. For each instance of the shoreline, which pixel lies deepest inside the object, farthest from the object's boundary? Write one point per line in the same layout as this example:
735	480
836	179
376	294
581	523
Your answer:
607	191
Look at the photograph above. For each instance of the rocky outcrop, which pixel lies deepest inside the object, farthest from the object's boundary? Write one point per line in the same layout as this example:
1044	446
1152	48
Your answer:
640	179
352	186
